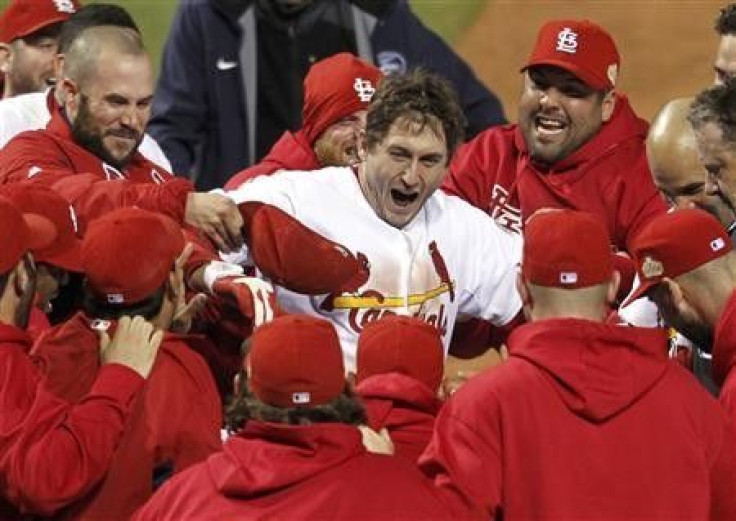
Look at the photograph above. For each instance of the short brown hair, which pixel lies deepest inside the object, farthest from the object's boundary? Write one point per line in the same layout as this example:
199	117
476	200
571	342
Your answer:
717	105
346	408
419	96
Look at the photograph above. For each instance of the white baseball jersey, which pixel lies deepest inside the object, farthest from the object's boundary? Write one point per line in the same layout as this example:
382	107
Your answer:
451	258
31	112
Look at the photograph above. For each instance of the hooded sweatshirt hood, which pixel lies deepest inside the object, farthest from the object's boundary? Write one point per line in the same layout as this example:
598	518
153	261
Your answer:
291	152
265	457
597	369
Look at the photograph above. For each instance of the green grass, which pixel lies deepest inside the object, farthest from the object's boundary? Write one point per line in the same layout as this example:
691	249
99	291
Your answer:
446	17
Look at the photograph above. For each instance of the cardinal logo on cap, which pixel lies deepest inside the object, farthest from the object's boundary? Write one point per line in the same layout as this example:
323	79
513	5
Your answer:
567	41
364	88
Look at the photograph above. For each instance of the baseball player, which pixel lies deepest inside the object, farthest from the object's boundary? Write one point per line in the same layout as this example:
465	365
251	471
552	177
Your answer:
578	143
697	272
585	420
89	151
423	253
336	93
400	365
724	65
296	451
53	452
33	111
131	258
29	34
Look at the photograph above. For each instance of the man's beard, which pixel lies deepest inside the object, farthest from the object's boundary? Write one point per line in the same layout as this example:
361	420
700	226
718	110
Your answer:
329	154
89	138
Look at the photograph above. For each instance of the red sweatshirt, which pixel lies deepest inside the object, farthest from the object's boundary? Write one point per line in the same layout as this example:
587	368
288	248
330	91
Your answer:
291	152
52	453
586	421
175	422
404	406
318	471
52	158
608	176
724	357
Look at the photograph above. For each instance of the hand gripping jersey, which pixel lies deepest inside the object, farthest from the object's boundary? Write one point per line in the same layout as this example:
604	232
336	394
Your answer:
451	258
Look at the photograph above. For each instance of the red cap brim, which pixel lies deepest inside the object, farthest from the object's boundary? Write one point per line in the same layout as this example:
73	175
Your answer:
640	292
594	82
69	259
42	231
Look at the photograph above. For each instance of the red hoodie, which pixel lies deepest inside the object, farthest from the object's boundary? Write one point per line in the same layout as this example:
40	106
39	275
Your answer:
608	176
724	357
586	421
52	158
404	406
319	471
291	152
175	422
52	453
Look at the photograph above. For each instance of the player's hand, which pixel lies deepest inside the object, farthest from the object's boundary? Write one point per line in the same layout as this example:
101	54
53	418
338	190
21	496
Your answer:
253	297
217	217
134	345
376	442
679	314
184	312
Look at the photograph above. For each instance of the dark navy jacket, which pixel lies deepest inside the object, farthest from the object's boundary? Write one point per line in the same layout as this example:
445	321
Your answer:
204	110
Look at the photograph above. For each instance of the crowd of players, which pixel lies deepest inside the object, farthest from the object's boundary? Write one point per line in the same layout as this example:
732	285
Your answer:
274	349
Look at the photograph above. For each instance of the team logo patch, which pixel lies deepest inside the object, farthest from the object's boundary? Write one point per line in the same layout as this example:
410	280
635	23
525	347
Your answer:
364	88
717	244
64	6
115	298
391	62
567	41
568	277
651	268
301	398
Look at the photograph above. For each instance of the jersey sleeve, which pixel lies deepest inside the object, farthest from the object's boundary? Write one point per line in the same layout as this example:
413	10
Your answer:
490	291
51	452
32	158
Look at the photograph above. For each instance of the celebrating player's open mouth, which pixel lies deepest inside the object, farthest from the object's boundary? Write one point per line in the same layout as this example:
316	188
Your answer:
550	128
404	198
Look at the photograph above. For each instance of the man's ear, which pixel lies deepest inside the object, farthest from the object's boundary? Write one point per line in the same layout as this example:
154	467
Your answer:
608	105
71	95
172	288
361	145
612	290
6	57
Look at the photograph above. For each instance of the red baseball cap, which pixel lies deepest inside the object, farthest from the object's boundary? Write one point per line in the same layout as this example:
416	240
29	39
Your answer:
581	48
566	249
21	232
401	344
65	251
675	243
24	17
334	88
296	257
128	254
296	361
